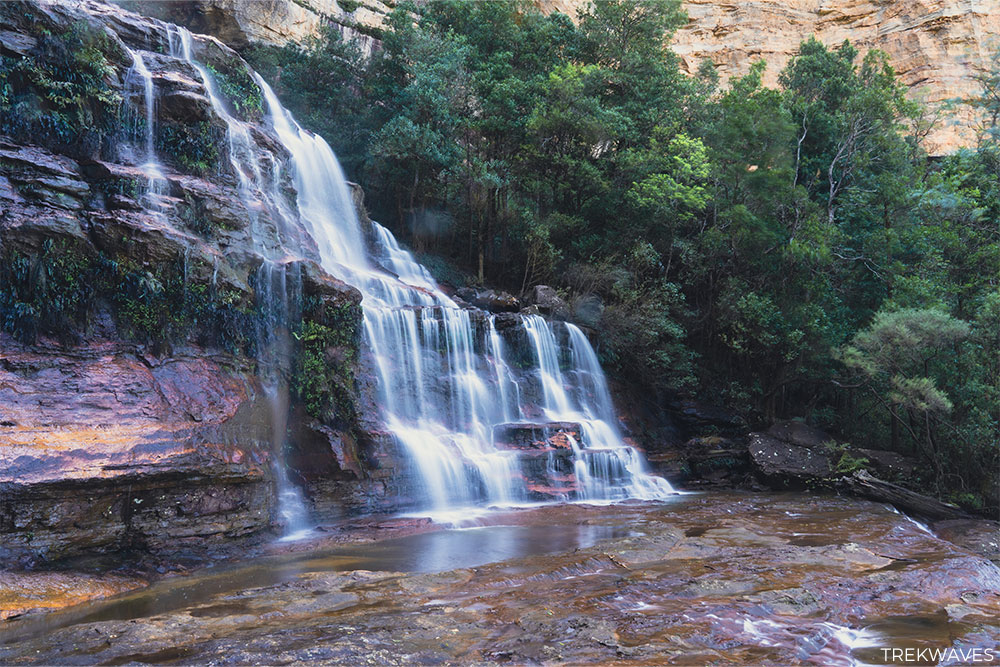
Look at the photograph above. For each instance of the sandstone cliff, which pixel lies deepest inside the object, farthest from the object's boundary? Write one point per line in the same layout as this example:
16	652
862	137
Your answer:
238	22
937	46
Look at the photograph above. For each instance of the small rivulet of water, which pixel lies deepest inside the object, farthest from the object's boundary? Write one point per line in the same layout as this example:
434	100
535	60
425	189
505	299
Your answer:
139	83
448	377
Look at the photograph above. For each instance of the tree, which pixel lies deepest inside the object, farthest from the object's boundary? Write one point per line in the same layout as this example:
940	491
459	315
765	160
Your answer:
629	40
893	358
417	146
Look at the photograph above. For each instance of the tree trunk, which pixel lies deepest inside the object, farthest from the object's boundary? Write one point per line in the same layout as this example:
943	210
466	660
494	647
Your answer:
893	433
863	484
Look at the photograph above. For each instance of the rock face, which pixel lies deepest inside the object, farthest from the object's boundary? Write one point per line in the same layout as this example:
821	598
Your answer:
936	46
547	302
238	23
104	448
136	317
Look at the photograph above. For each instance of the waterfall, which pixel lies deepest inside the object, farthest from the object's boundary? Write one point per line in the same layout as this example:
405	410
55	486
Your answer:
449	378
139	76
273	285
446	383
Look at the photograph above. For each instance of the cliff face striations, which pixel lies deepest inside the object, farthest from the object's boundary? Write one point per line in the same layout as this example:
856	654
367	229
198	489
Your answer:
936	46
238	22
138	400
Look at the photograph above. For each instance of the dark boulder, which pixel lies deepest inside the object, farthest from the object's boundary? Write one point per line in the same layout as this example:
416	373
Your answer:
546	301
588	310
707	461
889	465
788	463
545	456
504	321
185	106
537	437
466	294
497	302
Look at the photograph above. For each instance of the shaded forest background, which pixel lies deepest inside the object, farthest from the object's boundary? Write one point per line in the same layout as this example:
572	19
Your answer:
788	253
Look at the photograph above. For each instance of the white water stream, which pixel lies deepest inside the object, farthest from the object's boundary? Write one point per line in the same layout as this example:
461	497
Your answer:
446	376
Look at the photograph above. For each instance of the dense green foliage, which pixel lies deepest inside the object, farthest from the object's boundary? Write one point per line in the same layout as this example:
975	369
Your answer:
195	147
791	252
58	94
239	88
60	290
325	365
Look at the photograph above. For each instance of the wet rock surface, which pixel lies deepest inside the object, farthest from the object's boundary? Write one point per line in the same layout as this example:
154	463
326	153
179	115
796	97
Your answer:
547	302
723	578
134	420
103	449
537	437
785	461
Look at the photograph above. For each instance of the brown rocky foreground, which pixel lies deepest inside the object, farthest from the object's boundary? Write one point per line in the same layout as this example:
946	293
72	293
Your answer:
721	578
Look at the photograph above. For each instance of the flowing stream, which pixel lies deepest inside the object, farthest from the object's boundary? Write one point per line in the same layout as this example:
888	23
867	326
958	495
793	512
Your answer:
448	378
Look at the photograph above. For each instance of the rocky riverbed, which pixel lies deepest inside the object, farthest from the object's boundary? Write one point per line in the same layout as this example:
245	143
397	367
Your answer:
708	578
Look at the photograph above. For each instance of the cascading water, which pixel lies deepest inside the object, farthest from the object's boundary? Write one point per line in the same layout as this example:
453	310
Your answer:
139	77
444	378
448	376
260	190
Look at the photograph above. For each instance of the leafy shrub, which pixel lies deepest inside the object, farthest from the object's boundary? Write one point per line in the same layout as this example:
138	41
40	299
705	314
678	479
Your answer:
239	88
194	147
844	462
60	94
325	364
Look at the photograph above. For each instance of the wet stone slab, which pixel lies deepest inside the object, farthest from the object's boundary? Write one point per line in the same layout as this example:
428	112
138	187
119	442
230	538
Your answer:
723	578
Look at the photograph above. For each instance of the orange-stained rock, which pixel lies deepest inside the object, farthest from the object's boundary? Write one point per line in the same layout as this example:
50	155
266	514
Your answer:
102	449
28	591
936	46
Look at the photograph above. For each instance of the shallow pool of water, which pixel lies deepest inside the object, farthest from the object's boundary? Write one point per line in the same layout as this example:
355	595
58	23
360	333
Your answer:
723	578
436	551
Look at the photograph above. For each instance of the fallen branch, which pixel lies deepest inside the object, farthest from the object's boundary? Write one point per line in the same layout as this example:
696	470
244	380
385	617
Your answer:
863	484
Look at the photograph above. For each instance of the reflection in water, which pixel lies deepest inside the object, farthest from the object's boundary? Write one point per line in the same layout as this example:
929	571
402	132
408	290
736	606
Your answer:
427	552
720	578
